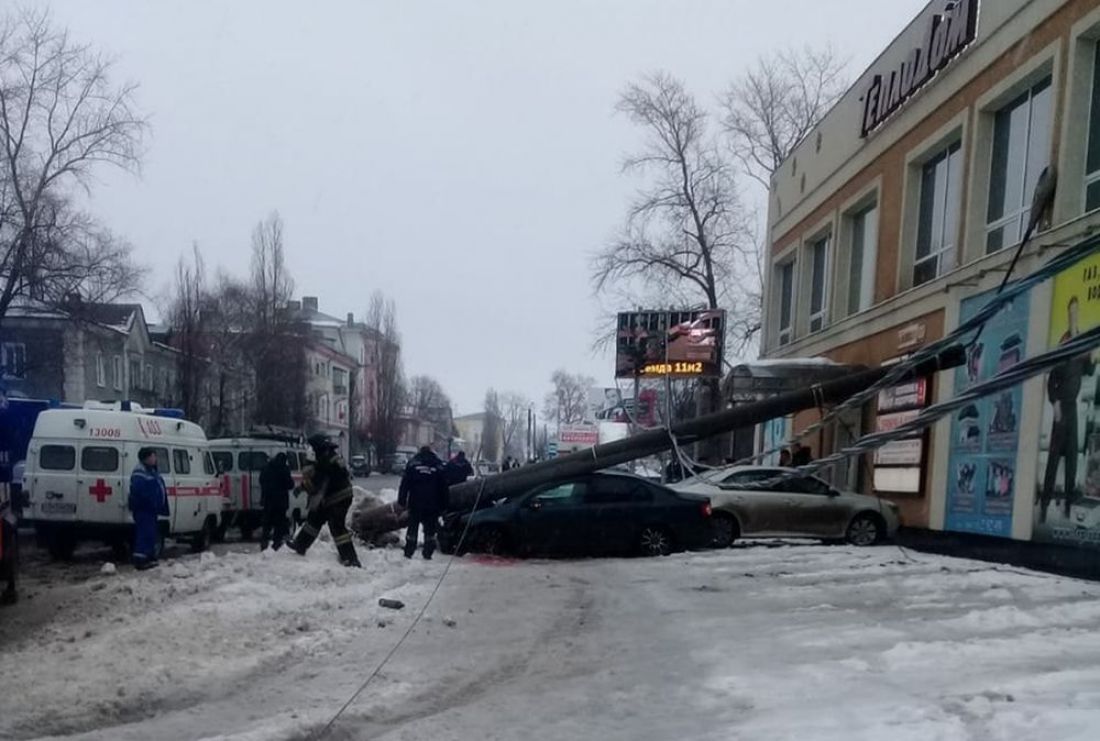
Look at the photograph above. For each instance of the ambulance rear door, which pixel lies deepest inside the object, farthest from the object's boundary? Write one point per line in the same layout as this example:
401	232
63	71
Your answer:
51	480
250	462
227	479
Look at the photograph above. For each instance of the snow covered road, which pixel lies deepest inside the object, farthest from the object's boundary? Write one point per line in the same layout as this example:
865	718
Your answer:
790	641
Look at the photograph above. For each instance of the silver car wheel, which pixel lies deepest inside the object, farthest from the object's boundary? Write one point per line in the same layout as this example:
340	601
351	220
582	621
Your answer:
863	531
655	542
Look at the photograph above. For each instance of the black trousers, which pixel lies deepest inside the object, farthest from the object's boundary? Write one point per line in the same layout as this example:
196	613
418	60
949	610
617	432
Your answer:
276	528
430	523
334	511
1063	445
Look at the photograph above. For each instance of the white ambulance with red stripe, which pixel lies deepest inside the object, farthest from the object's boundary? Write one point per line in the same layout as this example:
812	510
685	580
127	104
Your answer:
77	476
239	462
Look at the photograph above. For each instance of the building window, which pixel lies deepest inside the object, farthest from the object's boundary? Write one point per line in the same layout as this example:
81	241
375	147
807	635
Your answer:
938	225
100	370
1021	149
864	249
116	369
149	377
13	361
819	284
1092	159
786	302
135	374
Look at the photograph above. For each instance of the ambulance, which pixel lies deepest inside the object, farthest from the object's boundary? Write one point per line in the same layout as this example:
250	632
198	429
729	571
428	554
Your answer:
77	476
239	462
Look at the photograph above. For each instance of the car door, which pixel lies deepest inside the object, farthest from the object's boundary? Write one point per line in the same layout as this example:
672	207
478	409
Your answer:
188	515
620	507
816	509
556	519
761	509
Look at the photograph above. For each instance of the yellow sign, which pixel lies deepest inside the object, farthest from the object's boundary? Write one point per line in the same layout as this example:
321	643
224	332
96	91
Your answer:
1078	285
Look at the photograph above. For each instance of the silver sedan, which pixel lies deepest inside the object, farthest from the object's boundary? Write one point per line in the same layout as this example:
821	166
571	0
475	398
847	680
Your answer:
754	502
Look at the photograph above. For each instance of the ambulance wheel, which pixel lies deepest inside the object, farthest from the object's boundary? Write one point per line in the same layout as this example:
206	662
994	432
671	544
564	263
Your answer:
120	549
202	541
61	545
218	536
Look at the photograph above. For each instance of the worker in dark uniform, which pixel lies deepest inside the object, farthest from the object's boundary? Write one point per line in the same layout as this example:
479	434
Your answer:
330	501
423	492
148	502
458	469
275	485
1063	387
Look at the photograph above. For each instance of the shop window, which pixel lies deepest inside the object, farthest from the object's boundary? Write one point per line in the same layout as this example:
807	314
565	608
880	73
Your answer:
819	284
1092	158
1021	149
863	227
785	283
938	217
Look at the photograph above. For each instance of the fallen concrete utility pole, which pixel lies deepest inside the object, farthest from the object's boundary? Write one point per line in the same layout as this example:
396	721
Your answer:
463	496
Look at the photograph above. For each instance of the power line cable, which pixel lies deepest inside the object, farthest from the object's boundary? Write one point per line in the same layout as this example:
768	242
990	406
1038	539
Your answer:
412	626
1006	295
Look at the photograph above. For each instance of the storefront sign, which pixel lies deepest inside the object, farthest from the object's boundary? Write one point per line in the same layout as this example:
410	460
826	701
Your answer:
909	395
579	435
1067	508
981	472
944	39
911	336
898	452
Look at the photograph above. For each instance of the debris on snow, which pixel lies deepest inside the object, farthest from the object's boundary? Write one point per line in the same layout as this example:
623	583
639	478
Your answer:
391	604
108	568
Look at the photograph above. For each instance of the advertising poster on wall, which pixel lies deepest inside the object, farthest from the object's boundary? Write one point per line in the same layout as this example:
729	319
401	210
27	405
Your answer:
1067	501
981	473
776	432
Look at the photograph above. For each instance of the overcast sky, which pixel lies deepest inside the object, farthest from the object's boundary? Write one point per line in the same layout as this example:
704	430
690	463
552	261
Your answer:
461	156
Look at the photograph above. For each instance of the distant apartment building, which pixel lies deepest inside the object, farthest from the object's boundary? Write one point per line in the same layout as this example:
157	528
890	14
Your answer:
360	347
896	217
83	352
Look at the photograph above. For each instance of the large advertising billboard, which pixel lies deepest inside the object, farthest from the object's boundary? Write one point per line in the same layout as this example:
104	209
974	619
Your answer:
981	478
1067	501
681	344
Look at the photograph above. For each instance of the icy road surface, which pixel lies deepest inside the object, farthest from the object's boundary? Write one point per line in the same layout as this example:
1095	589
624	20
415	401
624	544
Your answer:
759	642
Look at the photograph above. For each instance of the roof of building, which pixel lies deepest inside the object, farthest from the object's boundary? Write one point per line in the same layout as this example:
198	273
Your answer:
111	315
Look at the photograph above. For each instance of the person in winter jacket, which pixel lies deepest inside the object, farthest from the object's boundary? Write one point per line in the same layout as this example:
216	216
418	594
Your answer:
423	492
330	499
458	469
148	501
275	485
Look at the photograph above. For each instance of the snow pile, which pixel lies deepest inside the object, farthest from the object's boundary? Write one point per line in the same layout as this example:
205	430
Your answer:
108	569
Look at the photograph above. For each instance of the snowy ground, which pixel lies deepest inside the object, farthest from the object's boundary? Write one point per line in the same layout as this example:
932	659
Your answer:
769	641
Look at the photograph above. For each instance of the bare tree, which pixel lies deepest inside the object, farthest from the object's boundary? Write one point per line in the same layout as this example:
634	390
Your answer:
514	408
385	424
568	402
231	377
277	342
492	430
430	402
61	115
772	106
687	226
186	316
